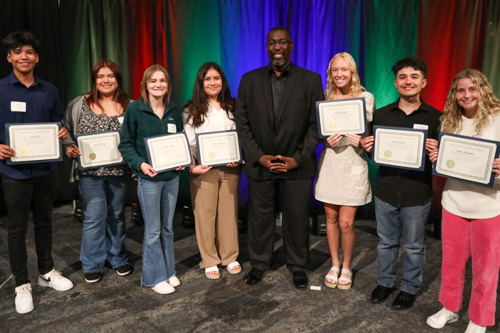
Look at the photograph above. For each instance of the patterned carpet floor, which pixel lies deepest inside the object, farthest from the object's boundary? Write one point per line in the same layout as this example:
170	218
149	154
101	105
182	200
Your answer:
119	304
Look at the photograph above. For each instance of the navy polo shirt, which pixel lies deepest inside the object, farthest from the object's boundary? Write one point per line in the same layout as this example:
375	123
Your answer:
42	105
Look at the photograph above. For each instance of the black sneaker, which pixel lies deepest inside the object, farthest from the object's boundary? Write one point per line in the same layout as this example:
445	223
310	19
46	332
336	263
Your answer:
92	277
124	270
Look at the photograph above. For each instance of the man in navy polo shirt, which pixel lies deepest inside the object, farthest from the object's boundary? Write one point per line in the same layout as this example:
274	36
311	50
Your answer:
24	98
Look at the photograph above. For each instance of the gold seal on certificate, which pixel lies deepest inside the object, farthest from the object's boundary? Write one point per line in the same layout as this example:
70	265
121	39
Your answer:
466	158
99	149
342	116
168	152
399	147
34	142
218	148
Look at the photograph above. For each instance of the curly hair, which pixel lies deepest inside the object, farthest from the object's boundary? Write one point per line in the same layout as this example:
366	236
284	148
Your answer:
488	104
331	88
197	107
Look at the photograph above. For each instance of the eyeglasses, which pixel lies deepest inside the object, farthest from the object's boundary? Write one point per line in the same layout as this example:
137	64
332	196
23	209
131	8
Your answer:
272	43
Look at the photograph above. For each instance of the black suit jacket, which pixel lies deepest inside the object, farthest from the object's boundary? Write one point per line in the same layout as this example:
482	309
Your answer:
296	133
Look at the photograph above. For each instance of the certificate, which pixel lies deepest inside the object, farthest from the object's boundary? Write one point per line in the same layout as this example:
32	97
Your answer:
34	143
99	149
342	116
168	152
218	148
466	158
399	147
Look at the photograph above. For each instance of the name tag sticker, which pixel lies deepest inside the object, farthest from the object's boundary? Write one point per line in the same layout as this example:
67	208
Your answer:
172	128
420	126
18	106
120	119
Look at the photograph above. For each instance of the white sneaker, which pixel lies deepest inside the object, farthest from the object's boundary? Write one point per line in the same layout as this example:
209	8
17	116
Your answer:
441	318
55	280
473	328
163	288
174	281
24	300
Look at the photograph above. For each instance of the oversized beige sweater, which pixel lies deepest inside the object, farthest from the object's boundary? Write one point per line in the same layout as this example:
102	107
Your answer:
470	200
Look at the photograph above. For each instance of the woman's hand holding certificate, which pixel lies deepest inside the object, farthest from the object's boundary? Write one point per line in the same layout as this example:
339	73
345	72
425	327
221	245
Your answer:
341	116
97	149
218	148
466	158
167	152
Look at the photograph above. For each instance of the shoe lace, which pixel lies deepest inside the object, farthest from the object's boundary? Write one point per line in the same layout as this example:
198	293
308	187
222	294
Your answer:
23	290
53	275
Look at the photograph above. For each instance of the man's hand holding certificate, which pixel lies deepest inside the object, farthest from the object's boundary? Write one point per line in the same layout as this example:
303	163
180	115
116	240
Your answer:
341	116
34	143
399	147
466	158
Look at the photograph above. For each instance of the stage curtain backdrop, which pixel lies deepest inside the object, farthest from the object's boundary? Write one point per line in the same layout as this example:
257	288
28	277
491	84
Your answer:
41	17
181	35
491	61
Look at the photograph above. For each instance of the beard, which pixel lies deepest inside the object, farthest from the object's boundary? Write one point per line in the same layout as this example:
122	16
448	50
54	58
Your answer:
278	63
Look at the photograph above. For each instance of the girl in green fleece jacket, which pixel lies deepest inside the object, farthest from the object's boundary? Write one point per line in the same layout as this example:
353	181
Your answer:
154	114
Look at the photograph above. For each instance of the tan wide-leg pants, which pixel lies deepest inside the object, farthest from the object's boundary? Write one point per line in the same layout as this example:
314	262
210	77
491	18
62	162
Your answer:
215	204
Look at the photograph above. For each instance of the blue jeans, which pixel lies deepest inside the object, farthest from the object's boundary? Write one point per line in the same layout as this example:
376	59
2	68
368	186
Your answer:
391	223
158	201
103	199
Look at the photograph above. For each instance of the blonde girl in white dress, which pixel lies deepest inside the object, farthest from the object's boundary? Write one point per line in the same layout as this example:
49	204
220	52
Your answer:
342	182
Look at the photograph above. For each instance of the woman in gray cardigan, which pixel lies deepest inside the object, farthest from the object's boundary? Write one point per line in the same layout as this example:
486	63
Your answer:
103	190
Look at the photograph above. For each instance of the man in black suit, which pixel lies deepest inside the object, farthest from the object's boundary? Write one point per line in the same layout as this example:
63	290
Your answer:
276	123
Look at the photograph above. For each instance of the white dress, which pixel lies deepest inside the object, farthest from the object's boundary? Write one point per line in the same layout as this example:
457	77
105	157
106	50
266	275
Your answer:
343	170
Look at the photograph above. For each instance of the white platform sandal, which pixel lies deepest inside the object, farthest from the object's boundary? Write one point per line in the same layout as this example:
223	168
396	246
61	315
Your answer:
210	270
231	270
345	286
331	277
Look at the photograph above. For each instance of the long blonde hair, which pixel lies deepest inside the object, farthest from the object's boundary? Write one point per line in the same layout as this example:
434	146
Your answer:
331	88
488	104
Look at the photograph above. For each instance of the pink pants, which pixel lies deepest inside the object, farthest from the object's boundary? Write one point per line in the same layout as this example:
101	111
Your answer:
480	239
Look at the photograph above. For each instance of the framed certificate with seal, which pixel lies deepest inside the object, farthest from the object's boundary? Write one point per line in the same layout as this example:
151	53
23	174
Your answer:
218	148
168	152
466	158
399	147
34	143
99	149
342	116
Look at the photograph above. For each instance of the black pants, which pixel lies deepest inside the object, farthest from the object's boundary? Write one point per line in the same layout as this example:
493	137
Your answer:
18	196
294	200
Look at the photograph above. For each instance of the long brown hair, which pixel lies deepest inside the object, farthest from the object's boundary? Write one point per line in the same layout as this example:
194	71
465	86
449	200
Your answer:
197	107
120	96
148	74
488	104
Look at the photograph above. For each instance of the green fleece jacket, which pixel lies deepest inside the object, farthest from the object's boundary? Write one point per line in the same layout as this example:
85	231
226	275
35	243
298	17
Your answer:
140	122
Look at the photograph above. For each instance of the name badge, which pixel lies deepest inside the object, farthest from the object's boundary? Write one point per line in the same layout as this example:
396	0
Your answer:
120	119
172	128
421	126
18	106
